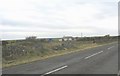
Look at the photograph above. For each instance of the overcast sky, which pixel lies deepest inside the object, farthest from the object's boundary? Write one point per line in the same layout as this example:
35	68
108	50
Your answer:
57	18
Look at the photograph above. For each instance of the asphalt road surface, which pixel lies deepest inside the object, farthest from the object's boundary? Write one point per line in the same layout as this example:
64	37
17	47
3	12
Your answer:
99	60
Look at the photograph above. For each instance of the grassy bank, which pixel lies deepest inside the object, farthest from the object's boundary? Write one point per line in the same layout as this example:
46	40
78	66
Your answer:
52	51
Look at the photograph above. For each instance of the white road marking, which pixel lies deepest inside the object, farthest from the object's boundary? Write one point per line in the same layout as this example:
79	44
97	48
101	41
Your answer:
56	70
118	73
110	47
93	55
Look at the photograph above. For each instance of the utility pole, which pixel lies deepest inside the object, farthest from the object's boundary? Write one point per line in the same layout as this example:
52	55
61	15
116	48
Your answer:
81	34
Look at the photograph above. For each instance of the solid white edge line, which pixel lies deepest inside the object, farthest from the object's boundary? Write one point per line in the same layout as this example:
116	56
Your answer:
93	55
110	47
56	70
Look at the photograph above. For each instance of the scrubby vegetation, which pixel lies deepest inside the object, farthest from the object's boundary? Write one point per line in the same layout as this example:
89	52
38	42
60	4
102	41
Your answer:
17	50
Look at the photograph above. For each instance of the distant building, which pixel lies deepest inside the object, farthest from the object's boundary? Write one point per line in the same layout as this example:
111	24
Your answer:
68	38
60	39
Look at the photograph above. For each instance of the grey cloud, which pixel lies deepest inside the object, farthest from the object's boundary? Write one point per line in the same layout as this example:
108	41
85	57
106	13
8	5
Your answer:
52	22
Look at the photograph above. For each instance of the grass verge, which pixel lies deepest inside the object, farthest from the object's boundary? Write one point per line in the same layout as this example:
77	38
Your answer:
28	59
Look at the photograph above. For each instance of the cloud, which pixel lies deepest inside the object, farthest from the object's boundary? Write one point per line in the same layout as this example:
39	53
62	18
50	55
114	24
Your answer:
56	18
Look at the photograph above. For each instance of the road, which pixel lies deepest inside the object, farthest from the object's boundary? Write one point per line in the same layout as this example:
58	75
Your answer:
99	60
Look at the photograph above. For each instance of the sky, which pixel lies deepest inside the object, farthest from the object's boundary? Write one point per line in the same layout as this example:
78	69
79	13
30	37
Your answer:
57	18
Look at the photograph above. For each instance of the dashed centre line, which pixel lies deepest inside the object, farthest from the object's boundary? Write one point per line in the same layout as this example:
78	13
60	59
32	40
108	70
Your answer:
93	55
56	70
110	47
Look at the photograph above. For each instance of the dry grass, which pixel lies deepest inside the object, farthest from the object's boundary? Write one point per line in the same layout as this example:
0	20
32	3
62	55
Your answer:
50	54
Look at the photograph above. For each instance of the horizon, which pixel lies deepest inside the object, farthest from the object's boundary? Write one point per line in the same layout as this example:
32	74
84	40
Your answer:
55	37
